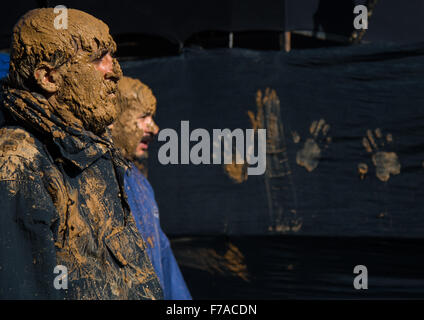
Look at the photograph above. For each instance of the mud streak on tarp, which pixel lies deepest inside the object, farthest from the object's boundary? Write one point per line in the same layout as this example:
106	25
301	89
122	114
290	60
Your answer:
281	193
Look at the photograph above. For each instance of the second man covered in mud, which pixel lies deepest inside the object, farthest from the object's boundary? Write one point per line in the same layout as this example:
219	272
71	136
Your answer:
132	132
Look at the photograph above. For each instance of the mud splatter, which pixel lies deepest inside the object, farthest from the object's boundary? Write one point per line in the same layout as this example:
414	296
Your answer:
236	171
362	170
296	137
231	262
386	163
150	241
17	154
294	225
55	186
93	188
310	155
282	198
17	151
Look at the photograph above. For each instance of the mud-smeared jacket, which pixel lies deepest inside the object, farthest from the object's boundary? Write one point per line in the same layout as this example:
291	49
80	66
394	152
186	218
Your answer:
141	199
63	204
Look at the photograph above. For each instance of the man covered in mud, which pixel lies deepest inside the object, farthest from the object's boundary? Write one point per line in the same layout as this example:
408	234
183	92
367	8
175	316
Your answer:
132	132
66	230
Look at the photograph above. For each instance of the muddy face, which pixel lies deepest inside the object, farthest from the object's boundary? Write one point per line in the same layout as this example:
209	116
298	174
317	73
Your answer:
149	128
126	134
90	90
135	128
73	68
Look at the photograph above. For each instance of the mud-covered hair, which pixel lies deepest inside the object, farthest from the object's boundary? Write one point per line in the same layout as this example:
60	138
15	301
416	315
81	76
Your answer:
135	95
35	40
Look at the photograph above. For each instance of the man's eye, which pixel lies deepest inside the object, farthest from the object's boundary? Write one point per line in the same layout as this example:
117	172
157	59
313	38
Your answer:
100	56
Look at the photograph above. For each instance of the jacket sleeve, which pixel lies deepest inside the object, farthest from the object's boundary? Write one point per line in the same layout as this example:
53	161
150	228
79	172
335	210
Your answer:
175	287
27	250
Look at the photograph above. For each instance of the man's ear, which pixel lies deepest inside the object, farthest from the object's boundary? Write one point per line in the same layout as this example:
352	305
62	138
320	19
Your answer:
47	78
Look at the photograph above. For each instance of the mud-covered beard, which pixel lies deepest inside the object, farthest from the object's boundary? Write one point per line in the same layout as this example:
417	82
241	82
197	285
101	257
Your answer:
142	157
141	162
91	98
127	136
127	141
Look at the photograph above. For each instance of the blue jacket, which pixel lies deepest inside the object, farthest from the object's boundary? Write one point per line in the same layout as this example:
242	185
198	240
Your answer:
145	210
4	65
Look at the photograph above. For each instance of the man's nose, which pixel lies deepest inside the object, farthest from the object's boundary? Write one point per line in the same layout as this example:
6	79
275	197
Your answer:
114	71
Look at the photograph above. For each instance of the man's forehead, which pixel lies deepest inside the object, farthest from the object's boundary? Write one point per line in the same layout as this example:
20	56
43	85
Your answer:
96	50
92	33
102	42
85	33
143	109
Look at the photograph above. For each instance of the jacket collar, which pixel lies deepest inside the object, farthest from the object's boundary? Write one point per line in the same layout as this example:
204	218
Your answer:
77	145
